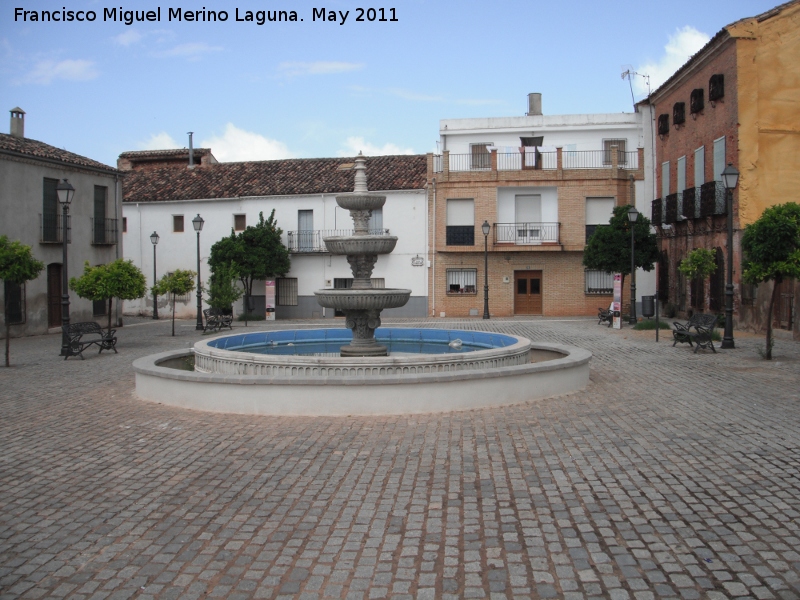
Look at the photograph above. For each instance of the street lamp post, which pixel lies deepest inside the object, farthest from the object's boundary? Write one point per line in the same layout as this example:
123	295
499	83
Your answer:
65	193
486	228
633	216
154	239
730	177
197	222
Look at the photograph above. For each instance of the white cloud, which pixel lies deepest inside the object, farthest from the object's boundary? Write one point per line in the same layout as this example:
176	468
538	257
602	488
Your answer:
131	36
192	51
685	42
238	145
414	96
159	141
318	68
45	71
353	145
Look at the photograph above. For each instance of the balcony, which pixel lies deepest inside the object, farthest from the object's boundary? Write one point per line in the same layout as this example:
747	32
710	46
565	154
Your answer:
312	241
533	159
51	228
526	234
657	210
104	232
671	213
689	203
712	199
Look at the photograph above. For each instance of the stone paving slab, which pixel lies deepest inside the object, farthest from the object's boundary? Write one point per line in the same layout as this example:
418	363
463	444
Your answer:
673	475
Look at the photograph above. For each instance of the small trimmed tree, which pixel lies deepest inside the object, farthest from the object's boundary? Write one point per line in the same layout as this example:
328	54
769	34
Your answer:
177	283
119	279
17	266
609	248
771	247
222	288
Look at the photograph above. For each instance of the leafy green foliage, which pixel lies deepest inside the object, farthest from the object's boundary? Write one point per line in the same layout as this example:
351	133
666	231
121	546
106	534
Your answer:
119	279
177	283
256	253
609	249
699	263
222	289
17	265
771	246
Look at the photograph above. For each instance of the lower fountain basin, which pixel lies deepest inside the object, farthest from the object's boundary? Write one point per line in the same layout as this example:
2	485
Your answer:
507	370
352	299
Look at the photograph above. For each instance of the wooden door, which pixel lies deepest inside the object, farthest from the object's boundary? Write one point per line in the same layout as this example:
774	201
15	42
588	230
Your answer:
527	292
54	295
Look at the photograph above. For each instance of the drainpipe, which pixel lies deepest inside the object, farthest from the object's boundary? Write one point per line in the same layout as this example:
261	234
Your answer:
118	221
433	254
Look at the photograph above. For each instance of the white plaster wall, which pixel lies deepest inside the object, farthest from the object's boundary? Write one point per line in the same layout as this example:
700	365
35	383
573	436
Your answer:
404	214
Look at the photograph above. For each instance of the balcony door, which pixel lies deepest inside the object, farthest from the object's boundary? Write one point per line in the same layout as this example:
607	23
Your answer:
305	230
527	292
528	218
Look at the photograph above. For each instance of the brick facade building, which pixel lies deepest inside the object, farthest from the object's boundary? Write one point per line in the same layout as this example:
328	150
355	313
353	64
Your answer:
540	203
733	102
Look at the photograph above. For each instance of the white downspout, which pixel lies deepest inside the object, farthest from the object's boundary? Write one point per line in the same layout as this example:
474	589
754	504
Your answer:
433	254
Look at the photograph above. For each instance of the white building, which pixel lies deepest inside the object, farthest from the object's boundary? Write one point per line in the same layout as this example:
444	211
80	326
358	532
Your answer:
162	194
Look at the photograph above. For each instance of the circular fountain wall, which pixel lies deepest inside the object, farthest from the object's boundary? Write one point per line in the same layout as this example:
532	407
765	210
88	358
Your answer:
483	370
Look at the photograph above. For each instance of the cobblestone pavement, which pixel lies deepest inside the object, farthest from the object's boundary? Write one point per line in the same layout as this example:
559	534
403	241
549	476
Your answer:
673	475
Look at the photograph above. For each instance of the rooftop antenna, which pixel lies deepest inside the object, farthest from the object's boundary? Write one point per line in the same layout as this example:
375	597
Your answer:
628	74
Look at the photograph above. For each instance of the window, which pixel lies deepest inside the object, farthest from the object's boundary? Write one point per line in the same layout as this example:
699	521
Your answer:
663	124
375	225
532	141
177	223
14	295
287	291
99	230
598	213
620	144
50	221
679	113
598	282
481	159
716	87
462	281
681	168
239	222
665	179
305	230
100	308
696	102
460	222
124	224
699	166
719	158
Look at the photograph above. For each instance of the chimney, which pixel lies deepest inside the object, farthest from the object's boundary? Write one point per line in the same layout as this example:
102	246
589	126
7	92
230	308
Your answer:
534	104
17	122
191	151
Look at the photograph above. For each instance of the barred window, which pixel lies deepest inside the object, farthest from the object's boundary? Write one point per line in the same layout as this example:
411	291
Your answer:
287	291
99	308
598	282
462	281
14	295
177	223
239	222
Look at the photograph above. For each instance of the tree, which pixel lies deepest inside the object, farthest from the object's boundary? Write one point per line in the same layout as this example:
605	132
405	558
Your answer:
771	247
178	282
17	266
609	248
119	279
222	289
256	253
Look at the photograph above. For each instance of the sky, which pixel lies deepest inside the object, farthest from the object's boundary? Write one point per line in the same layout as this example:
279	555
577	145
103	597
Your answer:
322	87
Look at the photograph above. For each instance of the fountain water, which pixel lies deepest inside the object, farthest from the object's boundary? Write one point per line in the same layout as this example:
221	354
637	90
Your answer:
362	304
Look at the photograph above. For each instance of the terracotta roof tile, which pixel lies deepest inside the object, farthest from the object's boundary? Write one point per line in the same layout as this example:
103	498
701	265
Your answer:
35	149
273	178
150	154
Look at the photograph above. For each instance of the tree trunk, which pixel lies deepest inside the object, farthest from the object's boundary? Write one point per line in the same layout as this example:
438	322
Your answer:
110	300
173	314
775	291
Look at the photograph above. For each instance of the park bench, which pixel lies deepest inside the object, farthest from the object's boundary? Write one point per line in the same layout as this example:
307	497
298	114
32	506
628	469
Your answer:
605	315
82	335
216	320
697	332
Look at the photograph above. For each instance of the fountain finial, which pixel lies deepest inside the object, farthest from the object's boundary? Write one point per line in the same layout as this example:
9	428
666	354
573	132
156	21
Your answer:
361	175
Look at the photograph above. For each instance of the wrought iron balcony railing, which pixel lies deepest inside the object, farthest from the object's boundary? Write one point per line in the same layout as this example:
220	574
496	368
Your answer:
51	228
303	242
104	232
712	199
526	234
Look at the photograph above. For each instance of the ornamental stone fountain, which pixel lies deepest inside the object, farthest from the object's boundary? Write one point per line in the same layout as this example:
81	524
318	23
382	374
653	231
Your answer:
362	304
